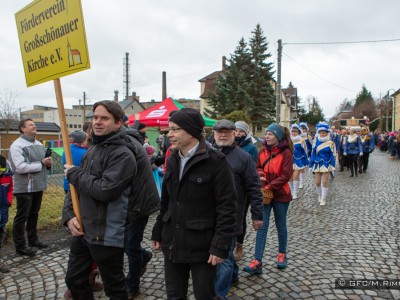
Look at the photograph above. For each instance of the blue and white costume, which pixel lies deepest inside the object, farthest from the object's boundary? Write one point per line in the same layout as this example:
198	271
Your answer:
323	155
323	158
306	138
300	157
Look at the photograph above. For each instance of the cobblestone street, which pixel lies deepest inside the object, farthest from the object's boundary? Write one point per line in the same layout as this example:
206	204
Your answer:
355	236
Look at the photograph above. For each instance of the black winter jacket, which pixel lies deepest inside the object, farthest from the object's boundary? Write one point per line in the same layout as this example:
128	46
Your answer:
247	184
143	198
103	182
198	212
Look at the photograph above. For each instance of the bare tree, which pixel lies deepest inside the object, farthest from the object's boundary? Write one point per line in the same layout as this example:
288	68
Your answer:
8	113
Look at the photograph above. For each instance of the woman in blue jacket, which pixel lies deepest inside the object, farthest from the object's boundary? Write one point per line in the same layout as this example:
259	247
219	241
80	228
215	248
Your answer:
353	149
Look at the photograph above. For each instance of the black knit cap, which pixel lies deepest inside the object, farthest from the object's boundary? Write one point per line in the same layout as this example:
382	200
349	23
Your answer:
141	126
190	120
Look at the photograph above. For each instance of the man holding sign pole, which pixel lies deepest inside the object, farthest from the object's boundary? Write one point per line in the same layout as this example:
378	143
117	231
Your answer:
103	181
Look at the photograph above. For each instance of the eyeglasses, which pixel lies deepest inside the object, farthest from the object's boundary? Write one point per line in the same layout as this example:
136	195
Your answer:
174	129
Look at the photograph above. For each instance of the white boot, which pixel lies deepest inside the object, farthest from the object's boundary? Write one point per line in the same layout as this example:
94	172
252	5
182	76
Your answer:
324	195
301	180
319	193
291	185
295	189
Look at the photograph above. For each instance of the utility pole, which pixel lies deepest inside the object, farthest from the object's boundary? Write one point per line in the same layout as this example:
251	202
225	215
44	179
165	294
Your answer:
278	84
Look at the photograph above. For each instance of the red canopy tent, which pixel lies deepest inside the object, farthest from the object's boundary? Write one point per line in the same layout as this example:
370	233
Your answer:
157	116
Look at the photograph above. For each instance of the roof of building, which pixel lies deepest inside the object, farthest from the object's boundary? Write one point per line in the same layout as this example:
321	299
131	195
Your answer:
124	105
213	75
40	126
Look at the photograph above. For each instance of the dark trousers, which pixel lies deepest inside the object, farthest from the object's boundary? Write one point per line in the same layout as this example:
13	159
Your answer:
110	261
240	237
135	253
2	235
28	207
177	280
352	160
342	161
363	162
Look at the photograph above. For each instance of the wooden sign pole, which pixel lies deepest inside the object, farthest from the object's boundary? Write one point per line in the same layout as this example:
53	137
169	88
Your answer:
67	149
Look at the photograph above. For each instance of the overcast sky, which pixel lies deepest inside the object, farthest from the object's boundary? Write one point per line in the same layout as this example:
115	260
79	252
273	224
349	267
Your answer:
187	39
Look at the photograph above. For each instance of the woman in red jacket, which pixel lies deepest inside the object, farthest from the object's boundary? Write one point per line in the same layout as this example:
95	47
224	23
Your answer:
275	166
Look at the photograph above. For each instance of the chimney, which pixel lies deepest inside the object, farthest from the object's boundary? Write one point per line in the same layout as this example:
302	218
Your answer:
164	86
116	96
223	63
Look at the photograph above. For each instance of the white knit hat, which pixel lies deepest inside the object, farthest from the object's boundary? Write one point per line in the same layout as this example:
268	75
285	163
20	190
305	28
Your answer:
242	126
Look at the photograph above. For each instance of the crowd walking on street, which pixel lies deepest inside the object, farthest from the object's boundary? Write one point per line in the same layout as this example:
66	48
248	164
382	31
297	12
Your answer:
198	229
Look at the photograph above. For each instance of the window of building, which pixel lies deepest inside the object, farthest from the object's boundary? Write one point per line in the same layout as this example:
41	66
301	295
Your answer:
75	126
259	128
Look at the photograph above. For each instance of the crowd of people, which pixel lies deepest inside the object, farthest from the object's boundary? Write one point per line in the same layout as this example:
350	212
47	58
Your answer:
389	142
208	186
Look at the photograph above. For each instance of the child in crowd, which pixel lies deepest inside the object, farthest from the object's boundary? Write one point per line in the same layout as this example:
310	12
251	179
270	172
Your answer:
6	190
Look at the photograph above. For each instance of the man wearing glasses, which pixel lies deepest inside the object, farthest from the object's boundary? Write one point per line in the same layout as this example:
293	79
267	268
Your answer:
247	187
197	220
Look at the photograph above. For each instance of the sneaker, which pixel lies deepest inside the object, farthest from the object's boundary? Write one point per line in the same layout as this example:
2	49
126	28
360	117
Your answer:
146	258
238	252
39	245
281	263
255	267
26	251
4	269
323	201
294	196
300	186
67	295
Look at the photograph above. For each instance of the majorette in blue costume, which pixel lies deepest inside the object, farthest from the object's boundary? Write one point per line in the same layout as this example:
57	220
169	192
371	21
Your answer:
322	160
300	158
305	136
307	139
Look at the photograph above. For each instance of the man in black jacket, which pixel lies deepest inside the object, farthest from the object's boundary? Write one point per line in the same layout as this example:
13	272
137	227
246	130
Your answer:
144	201
248	186
103	181
197	220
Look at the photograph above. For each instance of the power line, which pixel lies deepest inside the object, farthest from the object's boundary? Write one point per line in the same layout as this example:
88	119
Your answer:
317	75
351	42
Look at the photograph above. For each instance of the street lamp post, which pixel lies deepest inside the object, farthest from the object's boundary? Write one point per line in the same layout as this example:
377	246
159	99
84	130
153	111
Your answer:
387	113
387	108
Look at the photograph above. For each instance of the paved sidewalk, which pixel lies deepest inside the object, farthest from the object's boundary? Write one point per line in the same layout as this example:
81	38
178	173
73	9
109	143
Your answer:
355	236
